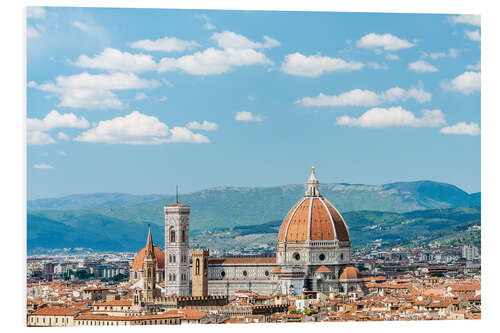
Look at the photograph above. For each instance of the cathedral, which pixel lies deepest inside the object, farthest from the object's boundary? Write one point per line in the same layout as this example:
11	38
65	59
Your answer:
313	254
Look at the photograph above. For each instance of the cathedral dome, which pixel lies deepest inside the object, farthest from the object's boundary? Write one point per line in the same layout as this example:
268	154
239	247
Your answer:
349	273
139	258
313	218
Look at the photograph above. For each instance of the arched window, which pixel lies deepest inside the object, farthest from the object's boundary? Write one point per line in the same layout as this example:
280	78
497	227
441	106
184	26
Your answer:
183	235
135	275
173	277
172	236
173	257
197	266
205	264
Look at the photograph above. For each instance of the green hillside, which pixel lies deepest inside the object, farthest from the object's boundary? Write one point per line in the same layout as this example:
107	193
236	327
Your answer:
451	225
231	206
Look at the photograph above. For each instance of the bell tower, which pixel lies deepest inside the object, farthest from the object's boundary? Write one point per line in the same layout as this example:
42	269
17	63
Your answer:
149	268
177	249
199	272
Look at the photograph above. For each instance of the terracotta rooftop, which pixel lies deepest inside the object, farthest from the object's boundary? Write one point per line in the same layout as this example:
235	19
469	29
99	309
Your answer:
56	312
115	303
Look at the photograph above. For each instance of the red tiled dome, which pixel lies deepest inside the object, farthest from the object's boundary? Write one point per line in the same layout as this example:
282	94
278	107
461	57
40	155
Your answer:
139	258
349	273
313	218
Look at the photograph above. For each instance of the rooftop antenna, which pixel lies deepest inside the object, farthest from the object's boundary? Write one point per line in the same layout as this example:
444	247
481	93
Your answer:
176	193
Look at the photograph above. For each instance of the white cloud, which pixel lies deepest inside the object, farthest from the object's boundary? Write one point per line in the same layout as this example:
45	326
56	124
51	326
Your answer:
316	65
391	56
63	153
32	84
43	166
62	136
80	25
452	53
388	42
213	61
422	66
247	117
393	116
94	91
467	19
376	65
35	12
358	97
138	129
55	119
39	138
182	134
204	126
165	44
162	99
473	35
466	83
140	96
462	129
231	40
32	32
167	82
115	60
475	67
209	26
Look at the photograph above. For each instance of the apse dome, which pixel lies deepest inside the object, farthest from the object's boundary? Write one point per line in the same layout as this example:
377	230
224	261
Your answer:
139	258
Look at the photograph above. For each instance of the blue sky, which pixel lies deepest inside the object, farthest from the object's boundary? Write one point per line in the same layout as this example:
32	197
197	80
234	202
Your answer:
139	100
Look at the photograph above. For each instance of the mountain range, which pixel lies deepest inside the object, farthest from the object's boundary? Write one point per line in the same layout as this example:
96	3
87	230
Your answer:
115	221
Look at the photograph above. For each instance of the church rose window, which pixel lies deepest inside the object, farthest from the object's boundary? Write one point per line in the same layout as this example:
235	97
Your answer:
245	273
266	273
296	256
321	257
222	273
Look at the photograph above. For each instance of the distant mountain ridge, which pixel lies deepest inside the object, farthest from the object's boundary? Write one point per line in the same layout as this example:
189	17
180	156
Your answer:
91	200
414	195
92	218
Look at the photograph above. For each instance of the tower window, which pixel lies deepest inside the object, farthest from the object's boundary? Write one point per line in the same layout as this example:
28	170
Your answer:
197	266
341	256
183	236
172	236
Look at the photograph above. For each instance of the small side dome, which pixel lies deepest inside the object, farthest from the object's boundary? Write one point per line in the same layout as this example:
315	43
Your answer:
139	259
323	269
349	273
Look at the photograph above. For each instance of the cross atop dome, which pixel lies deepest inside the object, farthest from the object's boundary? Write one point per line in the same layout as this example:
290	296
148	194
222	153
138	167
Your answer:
313	185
